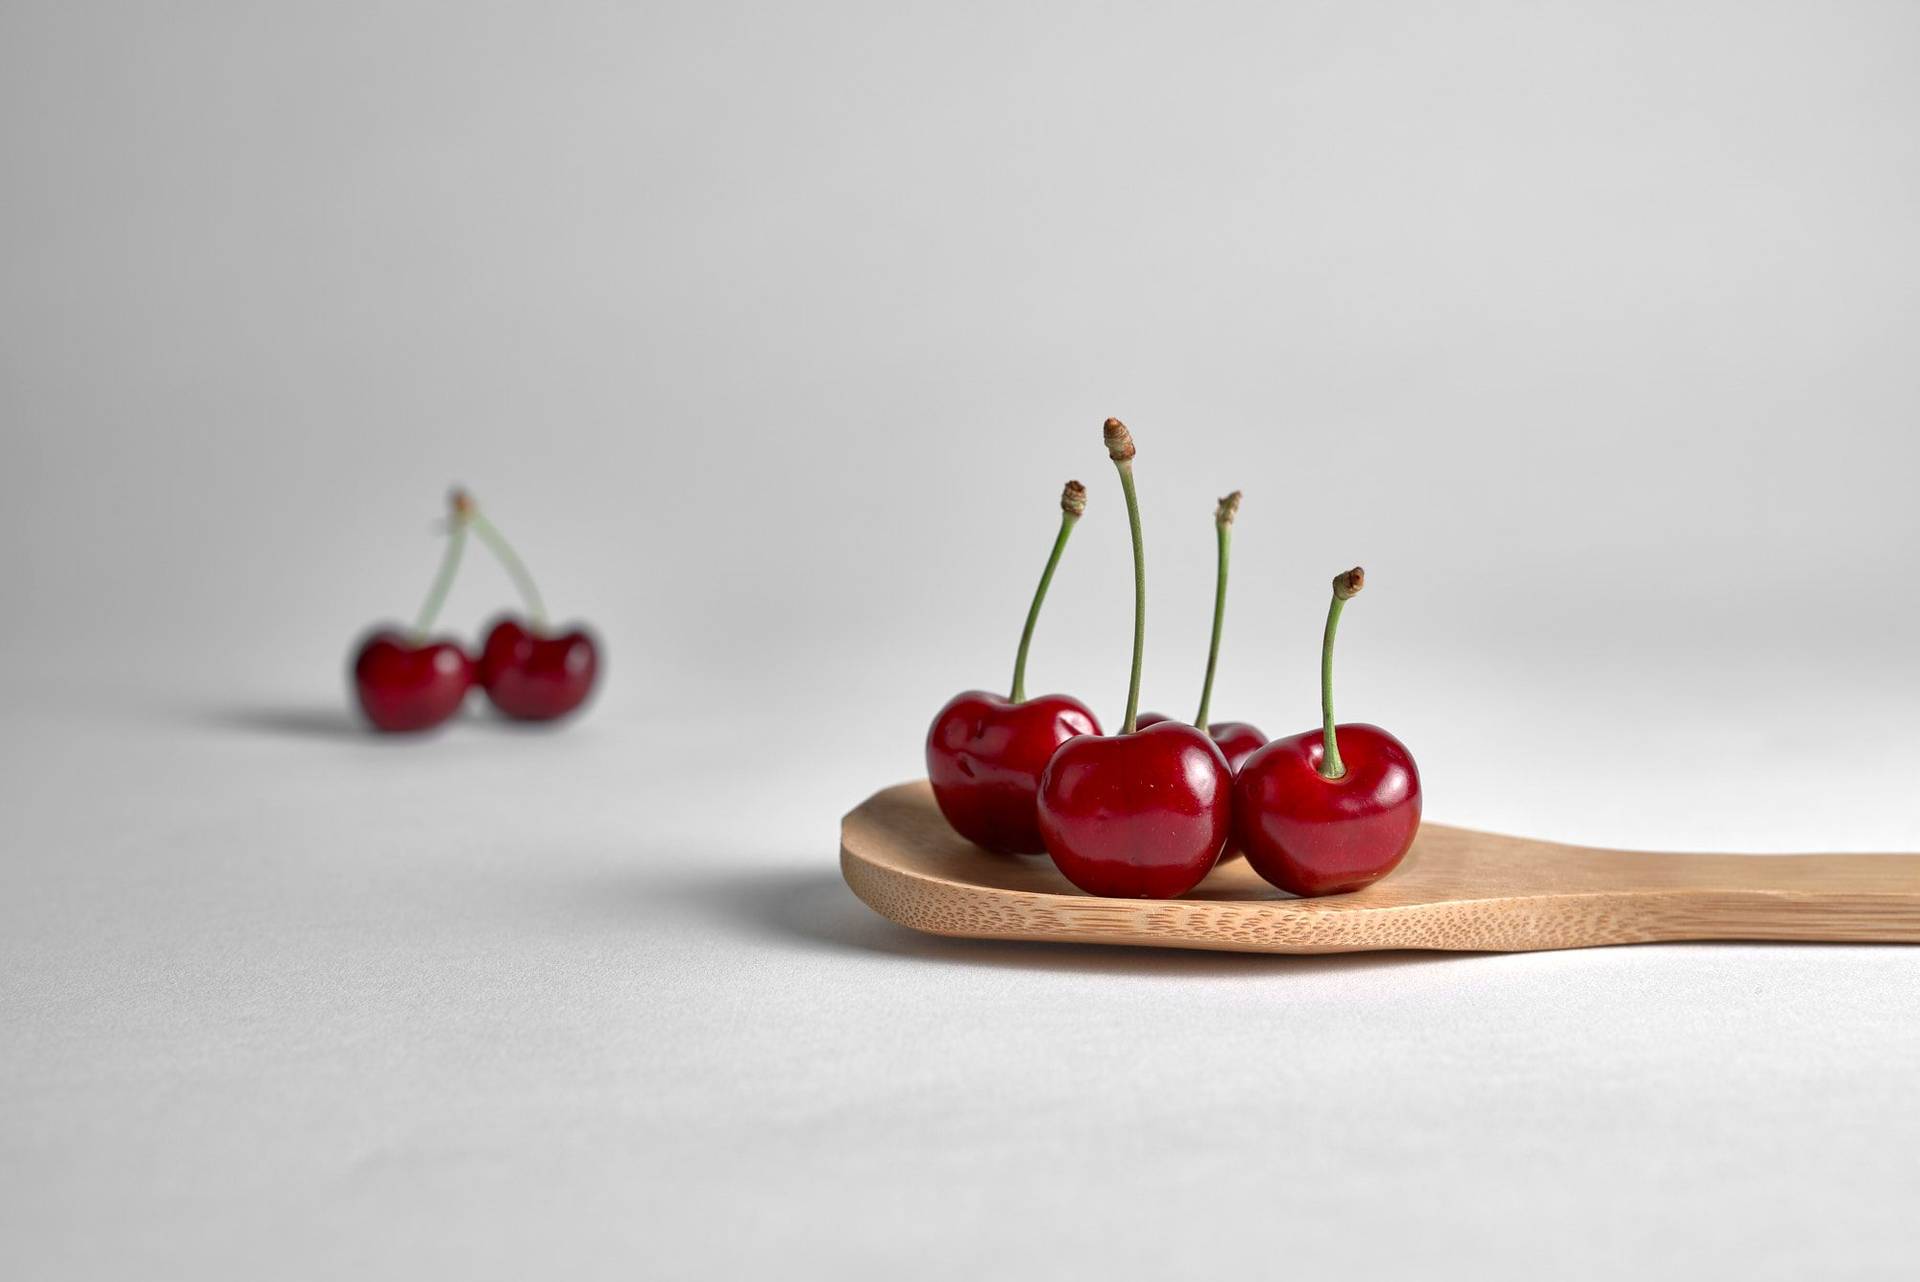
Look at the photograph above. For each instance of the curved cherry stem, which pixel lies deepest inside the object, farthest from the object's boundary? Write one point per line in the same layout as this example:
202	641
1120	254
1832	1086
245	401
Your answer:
1139	599
1344	586
442	579
1223	526
503	552
1073	502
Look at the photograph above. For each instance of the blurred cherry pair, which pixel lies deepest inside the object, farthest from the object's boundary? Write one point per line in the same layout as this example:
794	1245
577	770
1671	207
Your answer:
407	681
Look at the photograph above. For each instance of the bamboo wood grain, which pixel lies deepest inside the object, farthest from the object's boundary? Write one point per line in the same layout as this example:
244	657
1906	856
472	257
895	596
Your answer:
1457	890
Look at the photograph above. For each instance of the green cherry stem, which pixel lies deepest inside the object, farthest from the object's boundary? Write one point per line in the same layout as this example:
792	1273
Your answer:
443	579
1344	587
1120	450
1073	502
1223	527
503	552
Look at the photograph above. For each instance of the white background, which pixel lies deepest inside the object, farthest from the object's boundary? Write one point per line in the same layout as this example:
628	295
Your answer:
769	333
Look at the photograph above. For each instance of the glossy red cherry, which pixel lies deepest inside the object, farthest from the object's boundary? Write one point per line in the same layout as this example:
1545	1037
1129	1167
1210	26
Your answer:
1144	814
404	686
1137	816
985	753
1333	809
403	681
985	756
1238	740
530	672
1311	835
534	675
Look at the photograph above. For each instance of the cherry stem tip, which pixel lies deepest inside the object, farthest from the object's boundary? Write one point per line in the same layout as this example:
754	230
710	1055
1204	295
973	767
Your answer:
1073	499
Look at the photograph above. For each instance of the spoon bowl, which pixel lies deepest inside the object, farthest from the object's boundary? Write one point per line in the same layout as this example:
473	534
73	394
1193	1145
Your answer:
1457	890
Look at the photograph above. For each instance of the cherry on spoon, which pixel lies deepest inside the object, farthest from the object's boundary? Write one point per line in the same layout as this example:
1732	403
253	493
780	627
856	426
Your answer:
1143	814
985	753
1333	809
1238	740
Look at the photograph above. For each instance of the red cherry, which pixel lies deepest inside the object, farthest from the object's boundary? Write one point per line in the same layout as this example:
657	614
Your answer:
1137	816
534	675
1336	808
403	685
1144	814
985	753
1238	740
1312	835
985	756
402	680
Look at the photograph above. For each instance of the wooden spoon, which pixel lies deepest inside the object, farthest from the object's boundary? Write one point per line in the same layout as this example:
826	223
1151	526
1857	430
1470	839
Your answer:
1457	890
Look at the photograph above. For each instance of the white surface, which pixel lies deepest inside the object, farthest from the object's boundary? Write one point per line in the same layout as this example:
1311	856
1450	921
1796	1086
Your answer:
769	334
280	999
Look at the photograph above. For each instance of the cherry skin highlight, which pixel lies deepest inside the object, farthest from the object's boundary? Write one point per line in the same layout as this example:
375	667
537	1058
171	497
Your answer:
1238	740
1137	816
985	756
404	685
534	675
1311	835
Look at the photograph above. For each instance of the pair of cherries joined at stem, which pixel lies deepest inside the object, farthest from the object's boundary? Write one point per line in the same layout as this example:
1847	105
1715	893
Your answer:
1146	813
406	681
